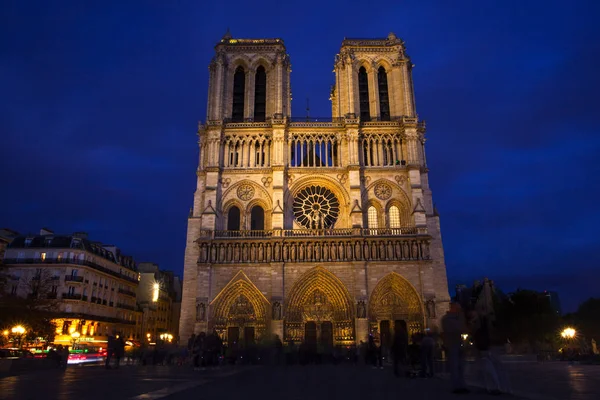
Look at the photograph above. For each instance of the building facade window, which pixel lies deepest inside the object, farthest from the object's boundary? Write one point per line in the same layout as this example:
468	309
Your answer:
394	217
260	94
373	218
384	100
257	218
233	219
239	86
363	94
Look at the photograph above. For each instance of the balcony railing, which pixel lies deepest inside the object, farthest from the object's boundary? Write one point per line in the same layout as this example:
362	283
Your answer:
315	245
71	296
75	261
72	278
125	306
400	231
127	292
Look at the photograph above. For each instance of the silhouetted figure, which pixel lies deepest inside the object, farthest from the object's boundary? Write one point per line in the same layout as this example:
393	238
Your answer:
119	350
453	325
427	349
110	350
399	350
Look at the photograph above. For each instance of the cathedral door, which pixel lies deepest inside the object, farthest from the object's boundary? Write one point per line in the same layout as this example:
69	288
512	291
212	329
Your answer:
385	337
249	335
400	324
233	336
327	334
310	333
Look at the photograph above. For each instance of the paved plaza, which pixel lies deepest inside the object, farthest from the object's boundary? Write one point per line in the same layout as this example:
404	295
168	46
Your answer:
533	381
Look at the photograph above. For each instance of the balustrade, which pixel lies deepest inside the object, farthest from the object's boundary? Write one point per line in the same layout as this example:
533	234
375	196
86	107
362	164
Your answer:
398	244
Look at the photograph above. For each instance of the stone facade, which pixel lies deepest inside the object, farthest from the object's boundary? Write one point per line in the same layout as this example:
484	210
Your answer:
311	229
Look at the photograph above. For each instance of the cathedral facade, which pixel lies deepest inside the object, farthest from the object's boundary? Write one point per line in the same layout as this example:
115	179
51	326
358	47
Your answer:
318	230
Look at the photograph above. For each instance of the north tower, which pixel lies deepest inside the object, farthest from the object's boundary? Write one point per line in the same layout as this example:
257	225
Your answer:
315	230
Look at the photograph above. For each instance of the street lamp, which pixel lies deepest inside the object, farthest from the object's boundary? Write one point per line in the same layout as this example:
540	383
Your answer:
568	333
75	338
18	331
166	337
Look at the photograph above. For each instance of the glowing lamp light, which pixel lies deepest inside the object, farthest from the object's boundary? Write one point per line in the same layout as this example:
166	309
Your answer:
5	333
19	330
568	333
464	336
75	335
155	290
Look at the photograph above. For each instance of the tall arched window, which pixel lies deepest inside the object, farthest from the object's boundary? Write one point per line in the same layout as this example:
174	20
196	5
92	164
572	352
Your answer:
373	218
233	219
384	101
394	215
257	219
260	94
239	84
363	94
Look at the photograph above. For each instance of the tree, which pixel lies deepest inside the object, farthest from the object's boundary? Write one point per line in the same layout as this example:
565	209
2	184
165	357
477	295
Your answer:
586	319
36	310
527	317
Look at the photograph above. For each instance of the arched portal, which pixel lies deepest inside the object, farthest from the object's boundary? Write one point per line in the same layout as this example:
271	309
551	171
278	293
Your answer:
239	310
395	300
319	298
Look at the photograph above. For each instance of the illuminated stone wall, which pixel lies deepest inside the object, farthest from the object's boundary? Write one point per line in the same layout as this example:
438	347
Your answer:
347	205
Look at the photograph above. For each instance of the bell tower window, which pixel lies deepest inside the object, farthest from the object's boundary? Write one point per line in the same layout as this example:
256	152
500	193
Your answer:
260	94
233	219
384	101
363	94
239	84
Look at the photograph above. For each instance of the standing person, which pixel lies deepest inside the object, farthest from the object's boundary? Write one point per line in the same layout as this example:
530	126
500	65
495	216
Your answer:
399	349
489	365
110	350
119	349
427	349
454	325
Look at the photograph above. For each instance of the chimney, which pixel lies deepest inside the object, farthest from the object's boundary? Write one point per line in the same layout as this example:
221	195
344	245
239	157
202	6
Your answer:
46	231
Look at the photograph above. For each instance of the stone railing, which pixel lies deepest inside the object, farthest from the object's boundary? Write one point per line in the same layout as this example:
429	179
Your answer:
295	233
412	244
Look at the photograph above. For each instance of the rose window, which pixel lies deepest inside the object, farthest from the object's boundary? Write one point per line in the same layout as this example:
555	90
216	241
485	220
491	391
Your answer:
316	207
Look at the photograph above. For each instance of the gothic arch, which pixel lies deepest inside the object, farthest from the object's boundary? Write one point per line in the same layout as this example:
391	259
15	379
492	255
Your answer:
395	298
385	63
380	214
403	208
363	62
265	62
240	61
259	193
318	295
239	304
265	206
398	191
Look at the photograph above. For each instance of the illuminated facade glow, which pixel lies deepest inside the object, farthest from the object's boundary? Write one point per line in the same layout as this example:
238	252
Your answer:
312	229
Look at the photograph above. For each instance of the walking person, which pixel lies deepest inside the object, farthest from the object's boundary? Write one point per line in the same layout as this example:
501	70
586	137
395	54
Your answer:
488	364
119	350
110	350
399	350
427	349
454	325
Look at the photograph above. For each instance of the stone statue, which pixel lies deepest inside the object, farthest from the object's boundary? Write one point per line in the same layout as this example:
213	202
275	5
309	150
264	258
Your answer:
276	311
430	306
361	310
200	312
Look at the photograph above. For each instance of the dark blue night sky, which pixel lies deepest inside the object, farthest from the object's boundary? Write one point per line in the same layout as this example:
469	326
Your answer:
100	102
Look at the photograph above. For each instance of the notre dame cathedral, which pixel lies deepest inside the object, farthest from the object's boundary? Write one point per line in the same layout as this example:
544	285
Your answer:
317	230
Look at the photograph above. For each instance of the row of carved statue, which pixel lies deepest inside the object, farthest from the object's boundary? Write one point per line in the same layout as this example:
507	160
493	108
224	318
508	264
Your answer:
309	251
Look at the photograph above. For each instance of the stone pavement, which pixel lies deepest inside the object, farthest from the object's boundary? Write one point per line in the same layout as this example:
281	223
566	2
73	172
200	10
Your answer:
178	383
547	381
552	381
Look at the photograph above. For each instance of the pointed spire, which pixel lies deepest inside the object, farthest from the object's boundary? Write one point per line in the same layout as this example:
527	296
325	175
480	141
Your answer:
227	35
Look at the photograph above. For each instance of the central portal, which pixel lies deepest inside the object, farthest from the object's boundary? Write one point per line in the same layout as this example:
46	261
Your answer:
318	333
